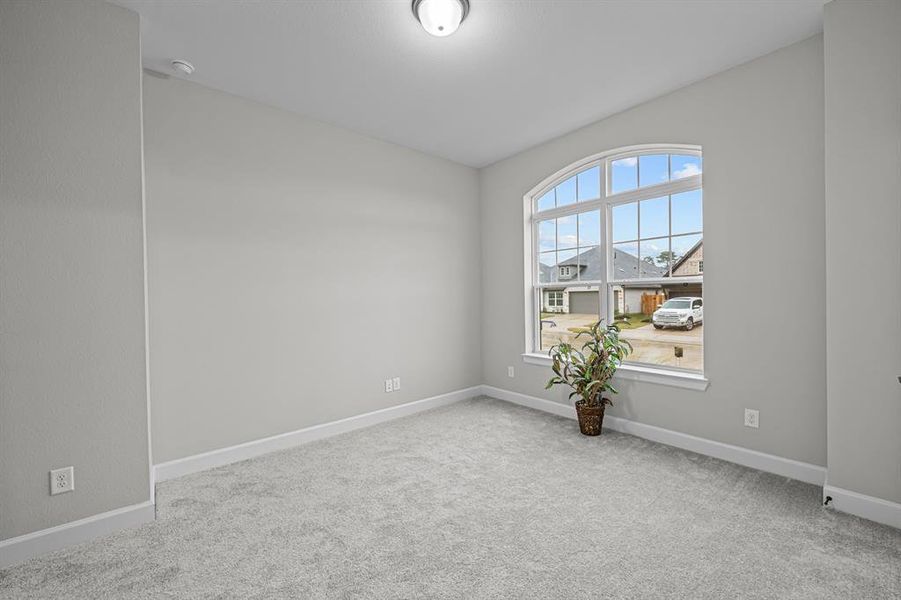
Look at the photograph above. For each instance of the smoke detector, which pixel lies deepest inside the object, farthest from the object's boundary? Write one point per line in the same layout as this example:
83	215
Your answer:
182	67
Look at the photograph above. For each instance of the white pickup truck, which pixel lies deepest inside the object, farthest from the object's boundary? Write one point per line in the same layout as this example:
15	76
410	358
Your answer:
685	312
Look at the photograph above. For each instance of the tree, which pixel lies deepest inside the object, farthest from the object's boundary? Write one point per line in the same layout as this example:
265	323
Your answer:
666	257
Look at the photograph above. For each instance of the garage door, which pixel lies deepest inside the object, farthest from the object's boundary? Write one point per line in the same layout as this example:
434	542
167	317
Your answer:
685	290
584	303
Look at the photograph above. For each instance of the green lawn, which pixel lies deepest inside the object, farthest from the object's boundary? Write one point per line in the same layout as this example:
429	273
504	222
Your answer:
629	321
632	320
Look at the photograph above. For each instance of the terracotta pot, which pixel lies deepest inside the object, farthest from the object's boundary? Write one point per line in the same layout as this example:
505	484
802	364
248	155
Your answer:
591	418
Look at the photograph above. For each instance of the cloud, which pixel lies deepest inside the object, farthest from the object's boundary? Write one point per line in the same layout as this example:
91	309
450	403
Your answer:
630	161
566	241
547	240
653	246
687	170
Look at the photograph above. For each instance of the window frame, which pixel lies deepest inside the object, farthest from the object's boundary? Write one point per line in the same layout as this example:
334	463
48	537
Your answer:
534	288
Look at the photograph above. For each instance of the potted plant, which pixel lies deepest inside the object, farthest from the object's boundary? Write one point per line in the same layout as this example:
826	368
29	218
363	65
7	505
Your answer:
588	372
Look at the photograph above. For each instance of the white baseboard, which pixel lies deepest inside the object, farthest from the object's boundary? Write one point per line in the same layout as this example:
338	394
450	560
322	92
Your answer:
861	505
556	408
21	548
761	461
18	549
233	454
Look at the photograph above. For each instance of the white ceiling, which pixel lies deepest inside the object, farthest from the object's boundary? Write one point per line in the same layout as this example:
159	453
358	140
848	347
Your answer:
515	74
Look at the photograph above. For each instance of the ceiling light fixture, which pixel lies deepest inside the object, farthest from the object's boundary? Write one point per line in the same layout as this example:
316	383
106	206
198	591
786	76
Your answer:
183	67
440	17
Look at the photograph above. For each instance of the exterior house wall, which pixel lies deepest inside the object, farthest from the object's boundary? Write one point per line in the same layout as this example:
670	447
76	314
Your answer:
630	302
692	265
631	299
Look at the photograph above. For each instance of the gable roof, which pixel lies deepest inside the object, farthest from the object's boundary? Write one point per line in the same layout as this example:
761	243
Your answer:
627	266
591	267
688	254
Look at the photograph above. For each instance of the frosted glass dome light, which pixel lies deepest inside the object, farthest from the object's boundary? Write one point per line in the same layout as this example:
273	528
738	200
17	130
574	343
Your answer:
440	17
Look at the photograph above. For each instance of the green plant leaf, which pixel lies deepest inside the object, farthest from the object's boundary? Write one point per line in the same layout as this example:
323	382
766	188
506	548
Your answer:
587	370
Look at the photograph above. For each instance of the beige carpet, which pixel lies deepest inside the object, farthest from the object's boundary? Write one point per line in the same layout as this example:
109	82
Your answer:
481	499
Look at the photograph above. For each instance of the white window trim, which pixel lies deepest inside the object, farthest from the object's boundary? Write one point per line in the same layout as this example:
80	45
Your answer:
670	376
630	371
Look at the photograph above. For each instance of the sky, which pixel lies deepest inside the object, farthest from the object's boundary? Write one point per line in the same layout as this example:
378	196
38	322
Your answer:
566	235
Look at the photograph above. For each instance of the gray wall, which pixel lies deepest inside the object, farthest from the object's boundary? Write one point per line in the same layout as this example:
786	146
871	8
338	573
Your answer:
293	266
761	128
73	387
863	235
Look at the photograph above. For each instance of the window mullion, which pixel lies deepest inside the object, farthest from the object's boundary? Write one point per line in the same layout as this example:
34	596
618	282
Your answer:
569	209
638	233
603	310
677	187
535	249
669	248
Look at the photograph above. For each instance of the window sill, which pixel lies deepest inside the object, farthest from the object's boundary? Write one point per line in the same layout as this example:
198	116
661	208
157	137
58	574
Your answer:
689	381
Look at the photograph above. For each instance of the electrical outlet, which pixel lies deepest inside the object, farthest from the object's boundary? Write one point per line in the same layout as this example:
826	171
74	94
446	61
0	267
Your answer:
62	480
396	382
752	418
510	372
389	385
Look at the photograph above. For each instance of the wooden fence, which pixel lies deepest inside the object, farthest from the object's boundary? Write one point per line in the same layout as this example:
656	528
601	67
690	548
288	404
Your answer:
651	302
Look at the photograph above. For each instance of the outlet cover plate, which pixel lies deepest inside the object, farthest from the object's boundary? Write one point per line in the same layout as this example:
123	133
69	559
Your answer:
752	418
62	480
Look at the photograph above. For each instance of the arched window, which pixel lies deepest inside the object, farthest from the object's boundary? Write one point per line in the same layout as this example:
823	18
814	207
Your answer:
619	236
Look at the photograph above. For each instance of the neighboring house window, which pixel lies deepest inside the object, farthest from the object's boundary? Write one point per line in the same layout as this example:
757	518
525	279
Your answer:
555	299
622	231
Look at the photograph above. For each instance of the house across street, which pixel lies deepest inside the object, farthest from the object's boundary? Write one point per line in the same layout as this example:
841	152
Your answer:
572	307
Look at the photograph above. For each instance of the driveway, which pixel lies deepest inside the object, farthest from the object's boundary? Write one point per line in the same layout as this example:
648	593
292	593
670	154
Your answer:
650	346
676	336
657	346
556	328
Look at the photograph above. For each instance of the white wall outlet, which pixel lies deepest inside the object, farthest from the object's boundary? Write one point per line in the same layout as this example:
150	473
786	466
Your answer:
510	372
752	418
62	480
396	382
389	385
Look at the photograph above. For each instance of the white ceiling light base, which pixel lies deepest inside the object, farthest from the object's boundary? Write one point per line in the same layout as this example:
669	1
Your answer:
440	17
